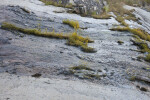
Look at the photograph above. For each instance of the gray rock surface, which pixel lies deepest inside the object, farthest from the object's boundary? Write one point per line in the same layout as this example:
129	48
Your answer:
23	56
84	7
15	88
143	16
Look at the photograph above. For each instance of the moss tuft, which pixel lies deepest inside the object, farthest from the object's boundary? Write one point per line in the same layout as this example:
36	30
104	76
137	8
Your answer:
102	16
81	67
139	36
73	39
78	41
72	23
142	34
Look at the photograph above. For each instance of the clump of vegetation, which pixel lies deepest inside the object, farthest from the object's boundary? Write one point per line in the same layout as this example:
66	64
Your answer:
57	4
51	2
78	41
81	67
72	23
69	5
141	33
141	44
121	20
37	32
119	28
116	6
133	18
130	2
72	39
102	16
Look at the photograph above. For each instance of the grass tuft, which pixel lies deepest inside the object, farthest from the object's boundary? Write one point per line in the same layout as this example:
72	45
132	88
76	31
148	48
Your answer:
72	39
57	4
81	67
37	32
72	23
141	33
78	41
102	16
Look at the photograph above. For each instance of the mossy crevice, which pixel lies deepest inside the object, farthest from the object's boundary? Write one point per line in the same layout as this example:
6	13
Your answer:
73	39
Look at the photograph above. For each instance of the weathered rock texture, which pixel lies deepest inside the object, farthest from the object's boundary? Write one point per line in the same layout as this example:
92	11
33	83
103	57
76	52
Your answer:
84	7
89	6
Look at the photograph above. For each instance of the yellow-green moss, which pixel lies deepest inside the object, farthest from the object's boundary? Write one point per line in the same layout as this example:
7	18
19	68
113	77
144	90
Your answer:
73	39
57	4
139	36
69	5
102	16
72	23
119	29
141	33
81	42
37	32
51	2
81	67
